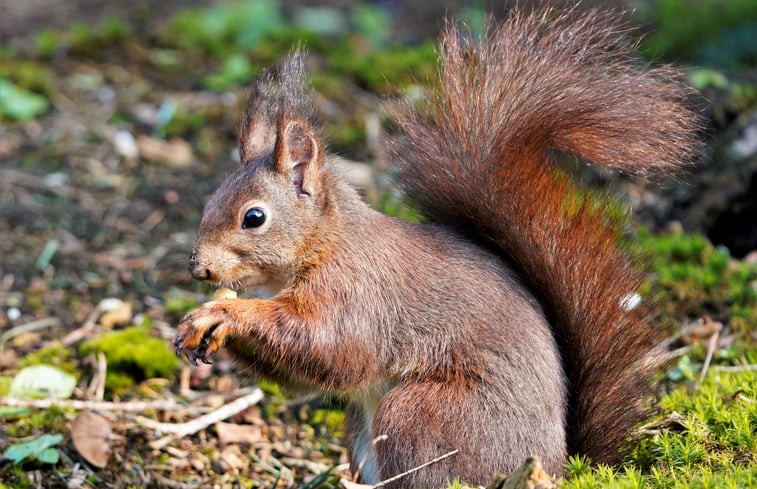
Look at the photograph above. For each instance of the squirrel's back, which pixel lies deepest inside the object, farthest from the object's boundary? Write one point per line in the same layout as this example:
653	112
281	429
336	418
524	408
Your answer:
479	157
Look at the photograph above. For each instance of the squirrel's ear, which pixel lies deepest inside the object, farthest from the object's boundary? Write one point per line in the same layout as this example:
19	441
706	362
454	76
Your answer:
299	155
257	136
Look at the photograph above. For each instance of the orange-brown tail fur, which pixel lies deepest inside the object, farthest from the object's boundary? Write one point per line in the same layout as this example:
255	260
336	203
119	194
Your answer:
480	157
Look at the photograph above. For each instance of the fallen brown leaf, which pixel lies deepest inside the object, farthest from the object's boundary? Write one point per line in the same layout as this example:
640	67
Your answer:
176	152
91	434
237	433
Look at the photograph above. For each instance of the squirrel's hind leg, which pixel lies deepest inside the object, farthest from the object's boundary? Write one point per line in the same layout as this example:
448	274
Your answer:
419	421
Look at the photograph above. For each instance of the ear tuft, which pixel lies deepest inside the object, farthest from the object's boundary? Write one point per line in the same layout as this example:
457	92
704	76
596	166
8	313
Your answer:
279	91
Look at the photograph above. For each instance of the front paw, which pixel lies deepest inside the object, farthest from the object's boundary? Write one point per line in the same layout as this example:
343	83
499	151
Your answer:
203	331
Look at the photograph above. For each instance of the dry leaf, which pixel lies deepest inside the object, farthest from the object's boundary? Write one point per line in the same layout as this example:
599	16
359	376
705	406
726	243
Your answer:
8	359
91	435
231	459
237	433
176	152
117	316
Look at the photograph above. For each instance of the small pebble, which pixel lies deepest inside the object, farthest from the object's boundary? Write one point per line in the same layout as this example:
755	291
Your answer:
13	313
126	145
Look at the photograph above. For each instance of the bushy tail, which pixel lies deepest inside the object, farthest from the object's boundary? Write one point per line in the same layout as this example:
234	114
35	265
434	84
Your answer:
479	157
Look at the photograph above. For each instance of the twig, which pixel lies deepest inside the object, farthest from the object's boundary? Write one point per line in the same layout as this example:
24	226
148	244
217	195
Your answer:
746	399
414	469
656	358
85	330
129	406
735	368
712	344
179	430
171	484
26	328
96	388
664	344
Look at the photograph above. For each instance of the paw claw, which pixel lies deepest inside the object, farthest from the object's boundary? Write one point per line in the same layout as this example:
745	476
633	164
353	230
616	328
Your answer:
203	331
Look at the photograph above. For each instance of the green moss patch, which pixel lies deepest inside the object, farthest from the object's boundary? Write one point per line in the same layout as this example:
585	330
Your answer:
132	355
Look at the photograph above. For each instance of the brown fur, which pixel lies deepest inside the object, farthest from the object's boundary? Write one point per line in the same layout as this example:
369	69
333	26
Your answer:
437	342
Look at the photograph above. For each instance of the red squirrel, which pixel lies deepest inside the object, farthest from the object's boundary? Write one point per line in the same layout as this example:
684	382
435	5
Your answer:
501	328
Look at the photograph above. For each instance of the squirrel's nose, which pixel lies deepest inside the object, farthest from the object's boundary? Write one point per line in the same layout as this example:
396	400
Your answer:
197	270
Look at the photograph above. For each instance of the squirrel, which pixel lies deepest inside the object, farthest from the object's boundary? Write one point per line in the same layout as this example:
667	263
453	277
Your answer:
500	328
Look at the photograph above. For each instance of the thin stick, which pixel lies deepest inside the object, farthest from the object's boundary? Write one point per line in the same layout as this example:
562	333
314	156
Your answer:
664	344
96	388
711	346
31	326
129	406
746	399
415	469
736	368
179	430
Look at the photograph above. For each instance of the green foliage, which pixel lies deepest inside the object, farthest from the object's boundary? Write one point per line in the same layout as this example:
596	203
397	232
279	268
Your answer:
346	134
373	22
693	277
178	303
326	21
181	123
29	75
711	444
39	449
331	419
384	71
391	205
474	16
53	354
41	381
714	30
739	96
224	29
236	70
29	422
47	42
91	40
132	354
19	104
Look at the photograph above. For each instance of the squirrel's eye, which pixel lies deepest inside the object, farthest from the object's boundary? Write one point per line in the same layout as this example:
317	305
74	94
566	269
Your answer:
253	218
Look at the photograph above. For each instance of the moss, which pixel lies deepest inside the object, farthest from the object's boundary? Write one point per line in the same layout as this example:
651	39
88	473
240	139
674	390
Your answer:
54	354
713	444
132	355
50	420
331	419
5	385
29	75
692	277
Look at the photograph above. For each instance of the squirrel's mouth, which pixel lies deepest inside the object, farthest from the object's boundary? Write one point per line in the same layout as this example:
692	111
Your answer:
253	279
